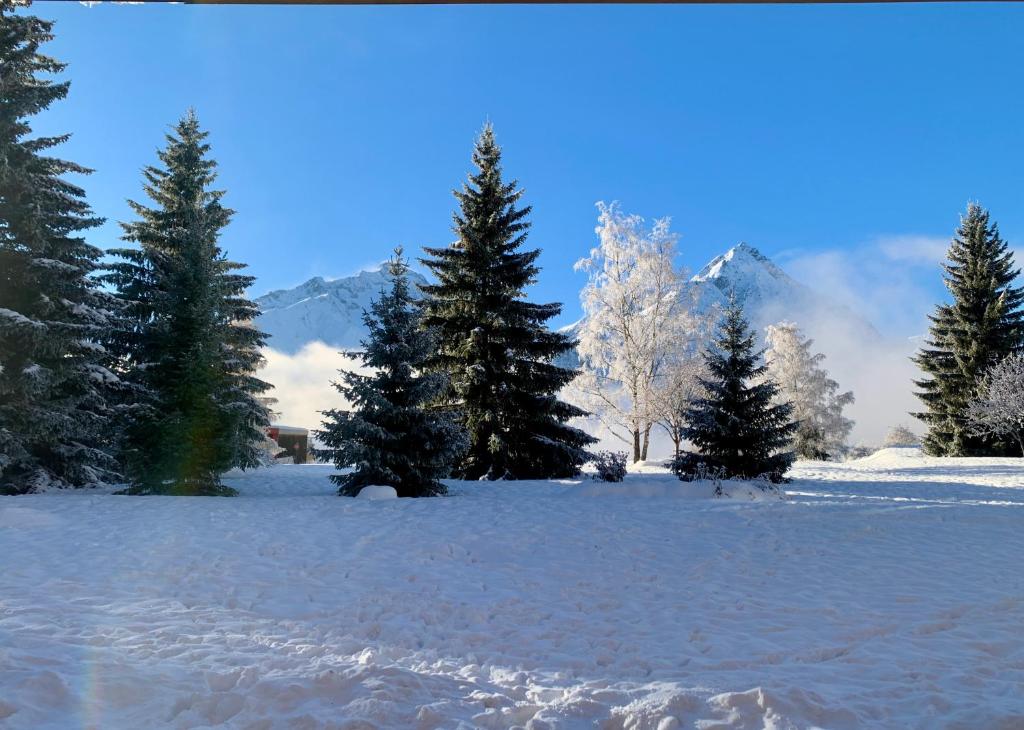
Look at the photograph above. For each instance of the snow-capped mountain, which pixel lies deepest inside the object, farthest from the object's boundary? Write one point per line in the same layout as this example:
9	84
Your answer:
769	295
330	311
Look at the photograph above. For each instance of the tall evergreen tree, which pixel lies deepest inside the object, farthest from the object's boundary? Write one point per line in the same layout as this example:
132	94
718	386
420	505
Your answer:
983	324
493	343
393	436
736	425
54	385
189	348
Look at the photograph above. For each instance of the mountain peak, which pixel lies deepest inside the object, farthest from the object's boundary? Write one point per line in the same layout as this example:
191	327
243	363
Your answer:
768	294
745	248
739	265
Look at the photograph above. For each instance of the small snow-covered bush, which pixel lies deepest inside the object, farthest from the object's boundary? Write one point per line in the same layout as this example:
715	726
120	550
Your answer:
695	467
610	465
901	436
859	452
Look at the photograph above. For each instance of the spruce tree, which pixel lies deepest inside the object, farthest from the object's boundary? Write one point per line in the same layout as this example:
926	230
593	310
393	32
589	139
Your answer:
983	324
735	425
493	343
189	347
54	385
393	436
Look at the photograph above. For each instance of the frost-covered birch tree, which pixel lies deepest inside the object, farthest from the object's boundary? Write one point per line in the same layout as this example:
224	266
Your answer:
817	403
679	384
674	392
999	410
636	319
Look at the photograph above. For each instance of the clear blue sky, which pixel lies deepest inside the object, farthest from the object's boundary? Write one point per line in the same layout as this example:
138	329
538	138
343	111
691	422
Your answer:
804	130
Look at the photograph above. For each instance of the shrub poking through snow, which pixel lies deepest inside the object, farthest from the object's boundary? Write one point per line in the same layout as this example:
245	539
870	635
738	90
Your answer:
610	465
696	468
691	467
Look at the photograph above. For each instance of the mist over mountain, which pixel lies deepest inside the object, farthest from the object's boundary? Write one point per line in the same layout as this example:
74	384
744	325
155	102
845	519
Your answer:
770	295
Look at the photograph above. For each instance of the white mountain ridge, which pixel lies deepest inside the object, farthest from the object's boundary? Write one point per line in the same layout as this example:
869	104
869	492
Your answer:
328	310
331	311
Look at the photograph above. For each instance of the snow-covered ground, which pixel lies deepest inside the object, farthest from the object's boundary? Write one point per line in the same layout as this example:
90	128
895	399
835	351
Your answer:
887	592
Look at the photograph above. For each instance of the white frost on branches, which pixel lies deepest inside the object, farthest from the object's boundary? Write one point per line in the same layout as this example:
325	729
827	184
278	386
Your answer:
901	436
999	409
817	403
679	384
637	319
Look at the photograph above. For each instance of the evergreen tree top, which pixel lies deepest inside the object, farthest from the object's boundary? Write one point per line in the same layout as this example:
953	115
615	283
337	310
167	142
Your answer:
734	345
980	261
59	207
181	186
489	226
23	92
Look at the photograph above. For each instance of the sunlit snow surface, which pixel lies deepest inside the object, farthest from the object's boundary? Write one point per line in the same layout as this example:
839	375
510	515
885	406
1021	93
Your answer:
884	593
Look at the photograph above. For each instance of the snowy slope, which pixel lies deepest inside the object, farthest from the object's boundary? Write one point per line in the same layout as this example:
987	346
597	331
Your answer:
330	311
884	593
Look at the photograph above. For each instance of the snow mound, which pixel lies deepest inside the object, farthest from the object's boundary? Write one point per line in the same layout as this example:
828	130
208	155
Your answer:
377	491
893	455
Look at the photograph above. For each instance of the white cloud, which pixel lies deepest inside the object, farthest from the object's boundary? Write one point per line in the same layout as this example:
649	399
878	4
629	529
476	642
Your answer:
302	382
916	249
893	282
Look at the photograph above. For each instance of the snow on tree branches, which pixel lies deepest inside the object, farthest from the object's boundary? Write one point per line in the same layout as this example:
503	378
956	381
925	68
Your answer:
393	435
637	320
188	345
493	343
901	436
55	384
999	409
822	429
983	324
